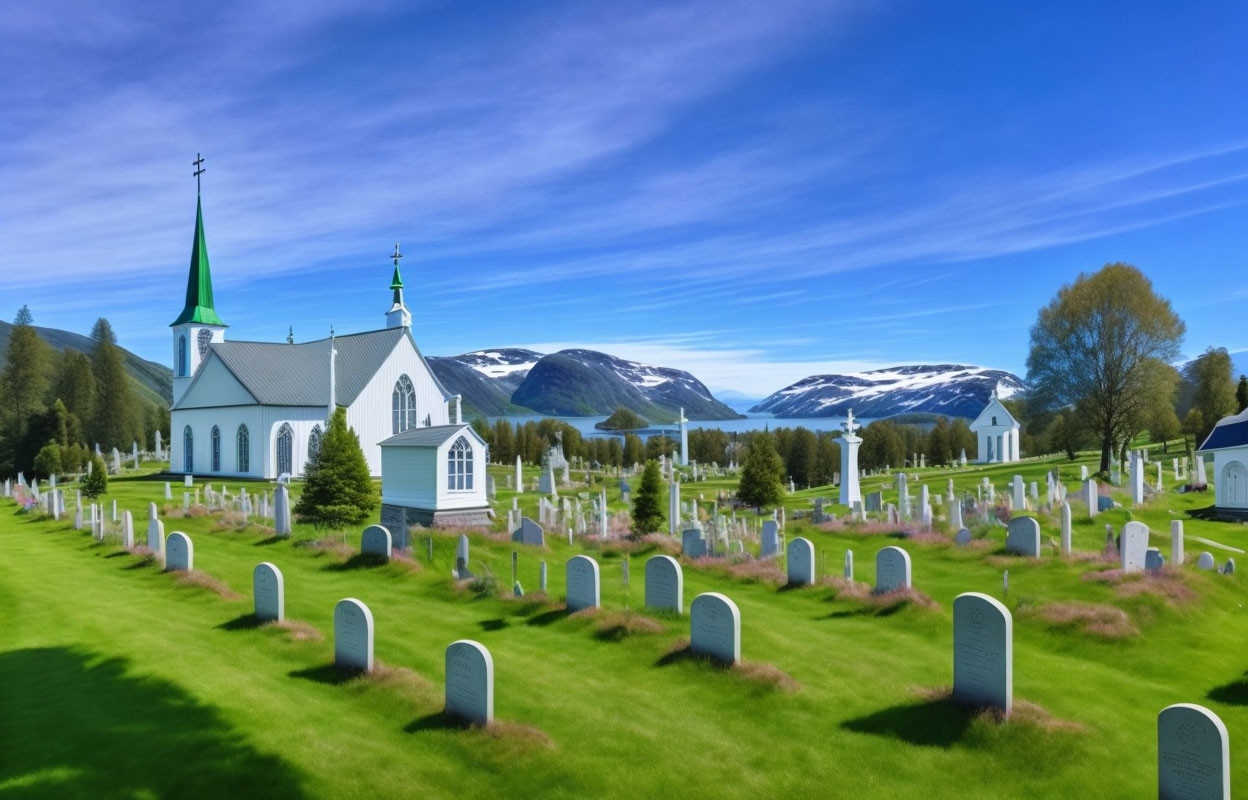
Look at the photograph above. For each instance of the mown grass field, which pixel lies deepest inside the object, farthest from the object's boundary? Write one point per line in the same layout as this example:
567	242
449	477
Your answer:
118	680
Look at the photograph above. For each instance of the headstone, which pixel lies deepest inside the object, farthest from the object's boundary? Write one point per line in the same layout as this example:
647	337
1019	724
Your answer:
1154	560
1020	497
1176	542
770	539
1137	480
529	532
1023	537
1065	529
1132	546
962	538
715	627
801	562
460	570
1202	478
179	553
983	652
541	577
875	501
376	541
892	570
583	583
665	584
188	480
849	565
269	592
1229	567
1091	497
692	543
1193	754
469	682
281	511
353	636
127	530
1205	561
955	513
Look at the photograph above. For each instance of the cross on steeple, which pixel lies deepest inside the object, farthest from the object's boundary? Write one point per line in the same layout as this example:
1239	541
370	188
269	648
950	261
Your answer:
198	163
397	255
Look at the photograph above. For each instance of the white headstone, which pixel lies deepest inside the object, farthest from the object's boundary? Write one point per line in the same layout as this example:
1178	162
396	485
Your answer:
892	570
1133	546
1176	542
269	592
983	652
281	511
1023	537
179	553
1092	497
376	541
1193	754
583	583
801	562
715	627
353	635
1065	529
127	529
665	584
1206	561
469	682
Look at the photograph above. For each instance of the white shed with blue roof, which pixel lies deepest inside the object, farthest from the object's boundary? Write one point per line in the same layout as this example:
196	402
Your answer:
1228	442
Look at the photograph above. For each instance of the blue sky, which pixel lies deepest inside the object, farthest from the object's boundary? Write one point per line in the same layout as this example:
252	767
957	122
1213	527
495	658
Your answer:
755	192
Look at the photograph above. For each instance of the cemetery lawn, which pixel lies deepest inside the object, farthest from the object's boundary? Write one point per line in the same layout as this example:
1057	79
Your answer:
118	680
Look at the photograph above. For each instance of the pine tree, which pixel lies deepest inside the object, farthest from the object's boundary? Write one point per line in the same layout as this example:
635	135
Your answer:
504	445
338	490
75	385
647	510
23	386
96	483
48	461
1241	392
762	473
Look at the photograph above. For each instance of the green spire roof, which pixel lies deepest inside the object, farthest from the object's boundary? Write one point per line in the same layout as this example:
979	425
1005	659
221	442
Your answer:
396	282
199	282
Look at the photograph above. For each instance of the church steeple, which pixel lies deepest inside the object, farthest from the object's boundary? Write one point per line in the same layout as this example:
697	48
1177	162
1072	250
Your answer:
398	316
199	306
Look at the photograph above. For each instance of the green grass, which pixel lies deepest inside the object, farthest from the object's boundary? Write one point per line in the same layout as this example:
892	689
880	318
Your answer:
117	680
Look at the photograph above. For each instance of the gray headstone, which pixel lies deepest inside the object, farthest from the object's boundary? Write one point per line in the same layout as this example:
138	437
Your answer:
875	501
460	571
179	553
715	627
1193	754
665	584
281	511
1133	546
693	543
1154	560
962	538
1229	567
583	583
469	682
269	592
1023	537
529	532
353	635
770	539
801	562
849	565
1205	561
376	541
983	652
892	570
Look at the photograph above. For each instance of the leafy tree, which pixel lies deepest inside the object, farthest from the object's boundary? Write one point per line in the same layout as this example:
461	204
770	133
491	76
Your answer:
962	439
338	489
1193	424
1065	433
615	452
647	510
96	483
882	445
1093	347
1241	393
116	420
48	461
503	445
660	446
803	455
1212	387
1165	426
622	419
939	449
762	473
827	459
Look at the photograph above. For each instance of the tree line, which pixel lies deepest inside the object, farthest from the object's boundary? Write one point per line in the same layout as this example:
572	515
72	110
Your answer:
55	406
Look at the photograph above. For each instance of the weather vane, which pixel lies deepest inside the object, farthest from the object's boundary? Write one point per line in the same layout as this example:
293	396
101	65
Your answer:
397	255
199	170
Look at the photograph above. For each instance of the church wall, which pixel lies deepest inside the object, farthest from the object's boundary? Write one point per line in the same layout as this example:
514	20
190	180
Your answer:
409	477
227	419
216	386
302	419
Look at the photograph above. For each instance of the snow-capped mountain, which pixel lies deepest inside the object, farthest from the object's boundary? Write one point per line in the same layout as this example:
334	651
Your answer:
955	390
485	378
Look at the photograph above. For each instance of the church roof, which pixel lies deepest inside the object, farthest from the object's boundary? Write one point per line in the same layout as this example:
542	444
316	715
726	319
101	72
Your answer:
199	307
280	374
995	406
1229	432
434	436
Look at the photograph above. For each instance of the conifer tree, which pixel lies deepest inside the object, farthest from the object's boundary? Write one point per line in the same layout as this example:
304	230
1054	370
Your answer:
96	483
1241	393
23	386
647	510
116	420
48	461
762	473
338	490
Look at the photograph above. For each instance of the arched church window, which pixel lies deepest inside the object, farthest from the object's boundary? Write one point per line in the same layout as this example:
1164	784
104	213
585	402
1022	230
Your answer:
285	449
403	405
216	449
459	466
205	339
244	449
314	443
188	447
182	356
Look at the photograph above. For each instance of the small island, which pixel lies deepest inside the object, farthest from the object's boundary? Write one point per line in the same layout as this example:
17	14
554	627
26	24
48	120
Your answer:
622	419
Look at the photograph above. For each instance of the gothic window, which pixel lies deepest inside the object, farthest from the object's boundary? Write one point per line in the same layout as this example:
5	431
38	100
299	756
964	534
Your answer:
403	405
182	356
188	446
205	339
244	449
459	466
216	449
285	450
314	443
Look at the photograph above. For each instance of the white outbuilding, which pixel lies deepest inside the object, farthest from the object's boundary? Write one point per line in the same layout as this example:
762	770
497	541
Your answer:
998	433
434	476
1228	442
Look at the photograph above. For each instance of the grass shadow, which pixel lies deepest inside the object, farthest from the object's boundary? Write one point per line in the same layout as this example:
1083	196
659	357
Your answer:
143	563
494	624
438	721
118	554
358	561
686	653
271	540
1234	693
245	622
549	617
327	674
933	723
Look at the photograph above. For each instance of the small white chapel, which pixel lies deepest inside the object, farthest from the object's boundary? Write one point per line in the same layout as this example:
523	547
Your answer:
997	432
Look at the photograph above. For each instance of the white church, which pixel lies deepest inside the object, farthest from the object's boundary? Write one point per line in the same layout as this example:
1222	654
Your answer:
259	409
997	432
1228	442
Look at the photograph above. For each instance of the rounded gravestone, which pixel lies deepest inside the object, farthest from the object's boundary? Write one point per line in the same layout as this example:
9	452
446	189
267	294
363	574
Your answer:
665	584
1133	546
892	570
269	592
469	682
983	652
376	541
715	627
1205	561
801	562
353	635
1193	754
962	538
179	553
460	571
1023	537
583	583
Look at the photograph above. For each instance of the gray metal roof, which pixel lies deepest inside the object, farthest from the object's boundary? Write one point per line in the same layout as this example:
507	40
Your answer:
280	374
434	436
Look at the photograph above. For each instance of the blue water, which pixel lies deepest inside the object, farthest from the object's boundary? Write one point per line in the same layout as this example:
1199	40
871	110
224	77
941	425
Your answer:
752	422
